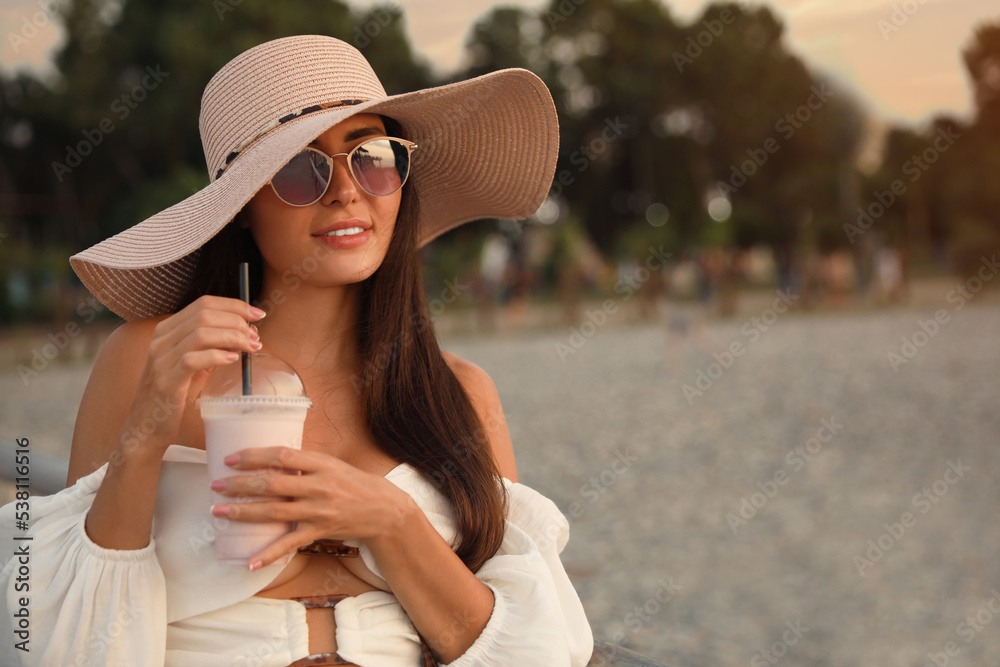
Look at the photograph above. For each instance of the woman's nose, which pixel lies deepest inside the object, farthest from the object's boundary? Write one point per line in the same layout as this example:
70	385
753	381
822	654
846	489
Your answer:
342	186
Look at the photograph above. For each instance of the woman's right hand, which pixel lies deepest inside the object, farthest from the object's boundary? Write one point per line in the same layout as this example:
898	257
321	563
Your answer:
210	331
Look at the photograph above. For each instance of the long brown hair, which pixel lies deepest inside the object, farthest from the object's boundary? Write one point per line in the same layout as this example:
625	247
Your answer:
416	409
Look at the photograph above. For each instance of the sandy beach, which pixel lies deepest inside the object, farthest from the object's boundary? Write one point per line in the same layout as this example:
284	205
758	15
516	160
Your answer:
820	497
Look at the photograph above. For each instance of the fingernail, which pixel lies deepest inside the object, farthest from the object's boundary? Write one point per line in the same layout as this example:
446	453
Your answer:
220	510
232	459
218	485
257	313
254	334
254	565
256	344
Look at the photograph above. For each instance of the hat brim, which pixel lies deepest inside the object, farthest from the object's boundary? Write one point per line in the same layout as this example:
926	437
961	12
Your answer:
487	148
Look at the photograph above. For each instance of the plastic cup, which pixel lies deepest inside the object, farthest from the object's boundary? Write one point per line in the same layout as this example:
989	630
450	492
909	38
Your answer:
233	422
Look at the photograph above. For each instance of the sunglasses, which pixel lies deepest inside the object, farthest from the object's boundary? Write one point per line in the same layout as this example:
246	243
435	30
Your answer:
379	166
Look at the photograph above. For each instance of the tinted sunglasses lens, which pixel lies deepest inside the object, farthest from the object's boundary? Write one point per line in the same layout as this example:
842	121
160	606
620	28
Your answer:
381	165
303	180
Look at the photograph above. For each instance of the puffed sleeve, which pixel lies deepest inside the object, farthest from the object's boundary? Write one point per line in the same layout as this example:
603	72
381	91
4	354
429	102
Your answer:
537	618
86	605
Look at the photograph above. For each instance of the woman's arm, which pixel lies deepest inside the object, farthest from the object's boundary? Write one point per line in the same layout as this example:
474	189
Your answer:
129	417
122	512
448	605
105	403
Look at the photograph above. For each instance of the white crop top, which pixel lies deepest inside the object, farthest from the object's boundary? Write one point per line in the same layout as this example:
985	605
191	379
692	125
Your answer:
172	603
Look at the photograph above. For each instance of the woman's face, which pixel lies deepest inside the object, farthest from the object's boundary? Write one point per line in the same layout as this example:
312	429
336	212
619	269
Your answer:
292	238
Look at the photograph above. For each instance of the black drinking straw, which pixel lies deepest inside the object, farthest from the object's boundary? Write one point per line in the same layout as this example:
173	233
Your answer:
245	295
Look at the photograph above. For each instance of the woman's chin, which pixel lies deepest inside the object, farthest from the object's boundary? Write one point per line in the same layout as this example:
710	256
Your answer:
341	277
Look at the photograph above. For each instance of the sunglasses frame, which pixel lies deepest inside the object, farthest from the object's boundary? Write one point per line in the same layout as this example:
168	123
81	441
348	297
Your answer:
409	145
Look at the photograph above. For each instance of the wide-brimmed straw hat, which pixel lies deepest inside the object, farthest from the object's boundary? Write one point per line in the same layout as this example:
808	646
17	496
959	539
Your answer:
487	148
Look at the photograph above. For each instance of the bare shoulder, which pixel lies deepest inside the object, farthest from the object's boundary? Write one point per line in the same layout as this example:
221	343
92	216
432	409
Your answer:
477	382
486	400
108	396
461	366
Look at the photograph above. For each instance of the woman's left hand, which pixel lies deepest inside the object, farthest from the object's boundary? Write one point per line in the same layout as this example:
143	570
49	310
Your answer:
330	499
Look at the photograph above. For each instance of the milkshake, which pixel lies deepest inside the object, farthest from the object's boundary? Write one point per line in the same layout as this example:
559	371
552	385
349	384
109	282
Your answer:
273	415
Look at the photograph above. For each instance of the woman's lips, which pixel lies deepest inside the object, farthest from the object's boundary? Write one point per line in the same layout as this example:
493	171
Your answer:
343	242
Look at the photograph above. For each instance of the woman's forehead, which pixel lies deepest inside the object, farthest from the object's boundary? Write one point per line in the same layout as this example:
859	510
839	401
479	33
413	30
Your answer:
356	122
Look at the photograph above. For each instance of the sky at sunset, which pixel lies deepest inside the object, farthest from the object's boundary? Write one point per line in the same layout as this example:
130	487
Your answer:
904	68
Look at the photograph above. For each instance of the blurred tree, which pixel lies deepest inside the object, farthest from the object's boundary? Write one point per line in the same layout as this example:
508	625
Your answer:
611	73
783	139
654	113
967	198
982	60
506	37
891	196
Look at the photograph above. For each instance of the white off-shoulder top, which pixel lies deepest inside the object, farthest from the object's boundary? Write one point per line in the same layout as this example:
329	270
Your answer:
172	603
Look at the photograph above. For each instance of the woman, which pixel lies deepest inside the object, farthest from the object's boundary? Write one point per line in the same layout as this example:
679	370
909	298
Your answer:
405	454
